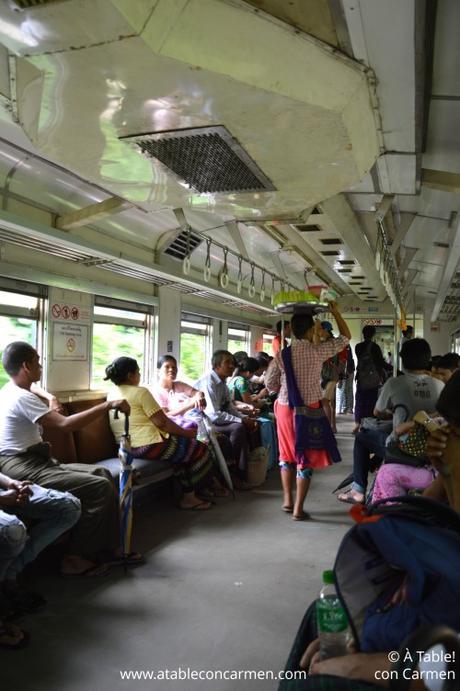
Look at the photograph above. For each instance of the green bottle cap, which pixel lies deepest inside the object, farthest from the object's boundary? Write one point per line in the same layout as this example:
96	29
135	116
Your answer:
328	578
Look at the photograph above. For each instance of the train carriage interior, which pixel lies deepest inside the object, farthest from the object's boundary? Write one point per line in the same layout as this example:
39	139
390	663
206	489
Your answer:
171	171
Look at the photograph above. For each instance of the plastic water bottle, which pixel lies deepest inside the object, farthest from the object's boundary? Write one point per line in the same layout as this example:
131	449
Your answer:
332	620
201	433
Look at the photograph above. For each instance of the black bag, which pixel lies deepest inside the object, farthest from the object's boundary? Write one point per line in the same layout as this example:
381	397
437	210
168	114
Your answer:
394	454
368	376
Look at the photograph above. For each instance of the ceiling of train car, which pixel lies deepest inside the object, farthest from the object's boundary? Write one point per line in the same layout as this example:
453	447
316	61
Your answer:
88	73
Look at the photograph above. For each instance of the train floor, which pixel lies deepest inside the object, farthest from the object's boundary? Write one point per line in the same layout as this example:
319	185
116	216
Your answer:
222	590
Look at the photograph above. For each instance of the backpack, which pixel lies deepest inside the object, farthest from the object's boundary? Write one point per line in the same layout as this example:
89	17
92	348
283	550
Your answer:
368	376
416	541
329	371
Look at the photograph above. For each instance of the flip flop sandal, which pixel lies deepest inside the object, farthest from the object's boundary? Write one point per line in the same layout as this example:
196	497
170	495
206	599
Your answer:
131	559
96	571
304	516
202	506
349	499
287	509
8	632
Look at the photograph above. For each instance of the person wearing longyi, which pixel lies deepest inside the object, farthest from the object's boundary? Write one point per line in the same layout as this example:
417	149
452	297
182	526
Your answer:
308	442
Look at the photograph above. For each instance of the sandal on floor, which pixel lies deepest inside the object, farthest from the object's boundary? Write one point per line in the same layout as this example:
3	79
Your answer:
12	637
287	509
95	571
202	506
304	516
131	559
348	498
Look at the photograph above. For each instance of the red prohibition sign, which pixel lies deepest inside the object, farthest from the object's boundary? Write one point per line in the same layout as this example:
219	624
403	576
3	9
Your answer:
56	311
65	312
75	313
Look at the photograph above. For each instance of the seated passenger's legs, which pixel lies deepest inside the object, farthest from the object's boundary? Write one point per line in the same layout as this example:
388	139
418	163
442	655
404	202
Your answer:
13	537
52	513
98	527
191	461
366	443
237	433
395	480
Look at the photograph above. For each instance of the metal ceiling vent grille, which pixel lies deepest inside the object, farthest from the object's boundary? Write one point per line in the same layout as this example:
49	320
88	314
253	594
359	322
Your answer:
208	159
183	244
20	5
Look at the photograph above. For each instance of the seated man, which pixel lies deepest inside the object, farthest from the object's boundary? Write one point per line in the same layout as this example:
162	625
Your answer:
24	455
53	514
224	416
399	399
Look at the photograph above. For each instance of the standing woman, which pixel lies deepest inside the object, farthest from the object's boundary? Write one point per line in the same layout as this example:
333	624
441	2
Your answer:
305	437
154	436
370	374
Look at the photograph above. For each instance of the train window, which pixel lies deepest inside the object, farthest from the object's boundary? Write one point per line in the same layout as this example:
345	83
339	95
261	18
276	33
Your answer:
239	338
456	342
267	340
118	332
18	321
195	346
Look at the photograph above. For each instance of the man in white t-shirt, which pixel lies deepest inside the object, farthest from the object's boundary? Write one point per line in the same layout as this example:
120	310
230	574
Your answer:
23	455
399	400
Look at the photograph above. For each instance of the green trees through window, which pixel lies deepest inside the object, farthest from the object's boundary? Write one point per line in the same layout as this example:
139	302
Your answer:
111	341
193	356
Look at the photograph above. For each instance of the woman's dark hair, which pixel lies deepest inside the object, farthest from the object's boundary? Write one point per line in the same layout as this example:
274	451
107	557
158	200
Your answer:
118	371
14	356
240	355
249	364
279	325
368	332
435	360
416	354
165	358
262	354
447	404
300	323
262	361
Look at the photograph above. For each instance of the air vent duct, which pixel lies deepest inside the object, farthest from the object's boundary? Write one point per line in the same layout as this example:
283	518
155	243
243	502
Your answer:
182	245
20	5
304	228
208	159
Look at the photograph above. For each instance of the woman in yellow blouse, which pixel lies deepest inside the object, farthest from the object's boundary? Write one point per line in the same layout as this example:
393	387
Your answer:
155	436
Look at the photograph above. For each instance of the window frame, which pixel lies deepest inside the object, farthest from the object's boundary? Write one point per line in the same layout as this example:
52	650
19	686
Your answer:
34	314
146	321
207	333
239	326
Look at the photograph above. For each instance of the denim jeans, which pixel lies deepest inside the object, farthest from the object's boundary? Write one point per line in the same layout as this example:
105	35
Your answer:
52	513
367	441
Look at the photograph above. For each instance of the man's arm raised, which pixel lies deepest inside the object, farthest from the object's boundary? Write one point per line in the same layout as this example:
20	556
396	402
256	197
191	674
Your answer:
54	420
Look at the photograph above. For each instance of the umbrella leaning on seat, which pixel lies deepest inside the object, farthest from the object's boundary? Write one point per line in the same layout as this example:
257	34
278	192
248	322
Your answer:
126	492
223	467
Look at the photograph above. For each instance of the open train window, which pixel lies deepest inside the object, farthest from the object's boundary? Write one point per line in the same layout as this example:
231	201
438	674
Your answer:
239	338
120	329
267	340
19	315
195	346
